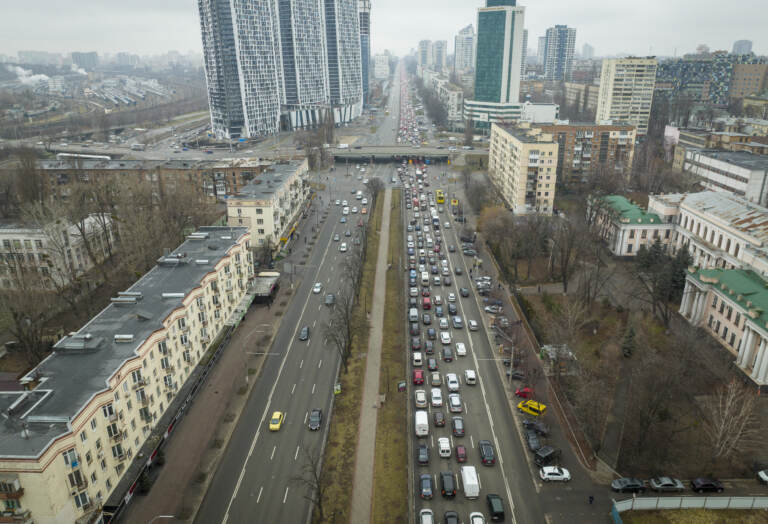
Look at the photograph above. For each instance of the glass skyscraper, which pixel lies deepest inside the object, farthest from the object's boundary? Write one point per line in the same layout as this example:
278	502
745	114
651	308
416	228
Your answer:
499	53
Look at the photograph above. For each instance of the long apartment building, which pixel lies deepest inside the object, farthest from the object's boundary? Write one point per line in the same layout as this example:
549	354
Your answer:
522	166
626	91
733	140
270	206
57	253
74	431
737	172
280	65
585	148
214	178
581	96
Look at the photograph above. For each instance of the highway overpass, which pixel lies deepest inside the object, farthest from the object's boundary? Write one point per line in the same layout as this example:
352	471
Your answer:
398	153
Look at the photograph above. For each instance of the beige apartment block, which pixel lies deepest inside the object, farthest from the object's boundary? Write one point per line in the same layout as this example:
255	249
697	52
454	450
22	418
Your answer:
626	91
271	205
74	426
522	166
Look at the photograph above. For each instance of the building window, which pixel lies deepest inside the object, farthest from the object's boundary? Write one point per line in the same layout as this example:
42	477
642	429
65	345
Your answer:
629	248
103	464
737	318
108	410
733	339
722	307
709	322
182	323
83	436
666	234
259	211
725	332
70	457
643	234
81	499
631	233
714	302
117	450
93	424
730	312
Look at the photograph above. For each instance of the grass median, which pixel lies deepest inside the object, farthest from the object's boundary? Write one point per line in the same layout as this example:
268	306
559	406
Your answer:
696	516
390	488
341	447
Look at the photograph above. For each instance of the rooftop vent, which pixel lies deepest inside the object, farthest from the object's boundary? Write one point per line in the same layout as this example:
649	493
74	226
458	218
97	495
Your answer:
123	338
200	235
173	295
123	300
135	294
201	261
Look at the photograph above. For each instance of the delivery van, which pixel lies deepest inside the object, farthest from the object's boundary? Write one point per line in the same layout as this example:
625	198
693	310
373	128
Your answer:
470	482
421	423
413	315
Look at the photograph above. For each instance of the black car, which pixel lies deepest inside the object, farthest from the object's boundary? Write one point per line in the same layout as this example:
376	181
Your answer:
447	354
487	454
539	427
451	517
458	271
304	333
438	418
447	484
457	426
452	309
423	455
315	419
415	329
330	299
426	318
434	270
431	334
425	486
438	311
628	485
532	439
429	347
415	343
464	292
446	281
702	484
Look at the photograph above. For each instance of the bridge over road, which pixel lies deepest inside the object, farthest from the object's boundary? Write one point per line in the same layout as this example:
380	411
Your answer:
400	152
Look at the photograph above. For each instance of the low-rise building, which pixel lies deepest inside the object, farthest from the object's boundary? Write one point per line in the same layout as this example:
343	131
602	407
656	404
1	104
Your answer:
583	148
732	305
57	253
582	96
756	103
270	206
484	114
626	227
72	441
737	172
522	166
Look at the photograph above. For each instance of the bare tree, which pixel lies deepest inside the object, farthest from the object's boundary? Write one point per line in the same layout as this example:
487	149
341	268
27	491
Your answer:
352	267
566	249
571	318
730	421
469	136
375	187
339	329
313	479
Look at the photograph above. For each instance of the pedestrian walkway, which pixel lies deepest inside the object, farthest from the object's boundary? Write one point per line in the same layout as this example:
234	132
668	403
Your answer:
362	493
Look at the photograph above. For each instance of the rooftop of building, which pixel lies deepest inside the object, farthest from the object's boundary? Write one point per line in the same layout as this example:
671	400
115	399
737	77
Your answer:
743	286
743	159
526	135
568	123
118	164
270	181
82	363
749	218
629	212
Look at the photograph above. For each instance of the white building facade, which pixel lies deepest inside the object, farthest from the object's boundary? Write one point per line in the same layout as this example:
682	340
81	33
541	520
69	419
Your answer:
381	67
464	49
738	172
626	91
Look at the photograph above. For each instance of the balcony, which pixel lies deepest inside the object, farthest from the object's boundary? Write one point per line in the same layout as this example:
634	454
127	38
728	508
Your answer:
113	417
117	437
140	384
144	400
17	493
169	369
81	484
16	517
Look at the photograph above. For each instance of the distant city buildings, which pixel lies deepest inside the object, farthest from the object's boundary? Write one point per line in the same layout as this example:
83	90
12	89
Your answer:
581	96
464	49
742	47
439	56
381	67
541	50
87	61
587	52
558	52
626	91
283	66
522	166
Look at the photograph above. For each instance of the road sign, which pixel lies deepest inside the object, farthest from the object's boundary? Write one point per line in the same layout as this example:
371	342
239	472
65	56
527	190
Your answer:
337	388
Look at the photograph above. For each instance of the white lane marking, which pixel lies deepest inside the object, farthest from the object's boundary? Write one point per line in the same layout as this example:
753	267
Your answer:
296	455
273	453
269	400
286	494
259	497
432	439
293	389
320	363
472	441
306	414
301	364
465	408
313	388
314	324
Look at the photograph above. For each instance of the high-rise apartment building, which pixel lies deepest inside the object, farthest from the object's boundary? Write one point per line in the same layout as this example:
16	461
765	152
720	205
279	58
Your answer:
558	52
464	49
525	53
87	61
439	61
424	53
364	11
541	50
268	65
626	91
381	67
587	52
522	166
742	47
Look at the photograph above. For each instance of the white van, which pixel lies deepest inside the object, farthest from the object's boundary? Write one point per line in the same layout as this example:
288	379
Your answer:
345	211
424	278
417	361
359	195
421	423
413	315
469	482
469	377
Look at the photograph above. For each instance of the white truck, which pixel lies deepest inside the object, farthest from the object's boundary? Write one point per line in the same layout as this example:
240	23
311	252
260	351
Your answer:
421	423
343	146
470	482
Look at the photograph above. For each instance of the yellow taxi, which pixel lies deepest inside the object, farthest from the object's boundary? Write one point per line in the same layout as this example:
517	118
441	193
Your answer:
532	407
276	422
364	211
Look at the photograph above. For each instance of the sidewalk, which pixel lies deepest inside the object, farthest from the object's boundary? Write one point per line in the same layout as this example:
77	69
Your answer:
366	440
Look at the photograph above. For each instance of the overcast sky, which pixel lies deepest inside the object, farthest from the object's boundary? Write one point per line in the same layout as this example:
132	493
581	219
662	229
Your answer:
611	26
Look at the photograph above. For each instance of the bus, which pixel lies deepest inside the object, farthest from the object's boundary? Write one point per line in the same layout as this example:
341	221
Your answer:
440	196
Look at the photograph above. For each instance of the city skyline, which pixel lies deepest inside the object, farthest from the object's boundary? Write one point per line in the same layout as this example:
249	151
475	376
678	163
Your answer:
655	27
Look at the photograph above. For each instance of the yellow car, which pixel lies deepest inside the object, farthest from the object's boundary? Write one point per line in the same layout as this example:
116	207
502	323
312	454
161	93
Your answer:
364	211
532	407
276	422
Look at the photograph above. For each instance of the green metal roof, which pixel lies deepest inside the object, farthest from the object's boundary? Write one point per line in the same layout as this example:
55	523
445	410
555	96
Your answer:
742	286
630	213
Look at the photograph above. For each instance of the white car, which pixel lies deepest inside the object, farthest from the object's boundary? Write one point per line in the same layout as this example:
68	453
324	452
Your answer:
445	338
454	403
344	203
365	202
452	381
437	398
472	325
345	211
411	245
318	288
413	292
417	360
444	447
338	202
476	518
438	300
470	377
461	349
447	225
554	473
343	247
354	209
435	379
420	398
444	324
451	297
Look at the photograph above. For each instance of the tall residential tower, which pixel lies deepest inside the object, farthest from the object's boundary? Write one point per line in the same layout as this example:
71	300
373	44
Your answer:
626	91
364	12
464	49
558	52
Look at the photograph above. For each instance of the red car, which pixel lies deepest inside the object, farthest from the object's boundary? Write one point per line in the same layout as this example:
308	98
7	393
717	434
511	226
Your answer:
418	376
461	453
525	392
425	292
437	248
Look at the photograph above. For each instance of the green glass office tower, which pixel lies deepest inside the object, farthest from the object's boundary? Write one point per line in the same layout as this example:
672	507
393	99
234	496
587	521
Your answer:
499	52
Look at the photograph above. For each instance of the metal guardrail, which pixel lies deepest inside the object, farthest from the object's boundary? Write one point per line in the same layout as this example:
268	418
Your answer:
690	502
